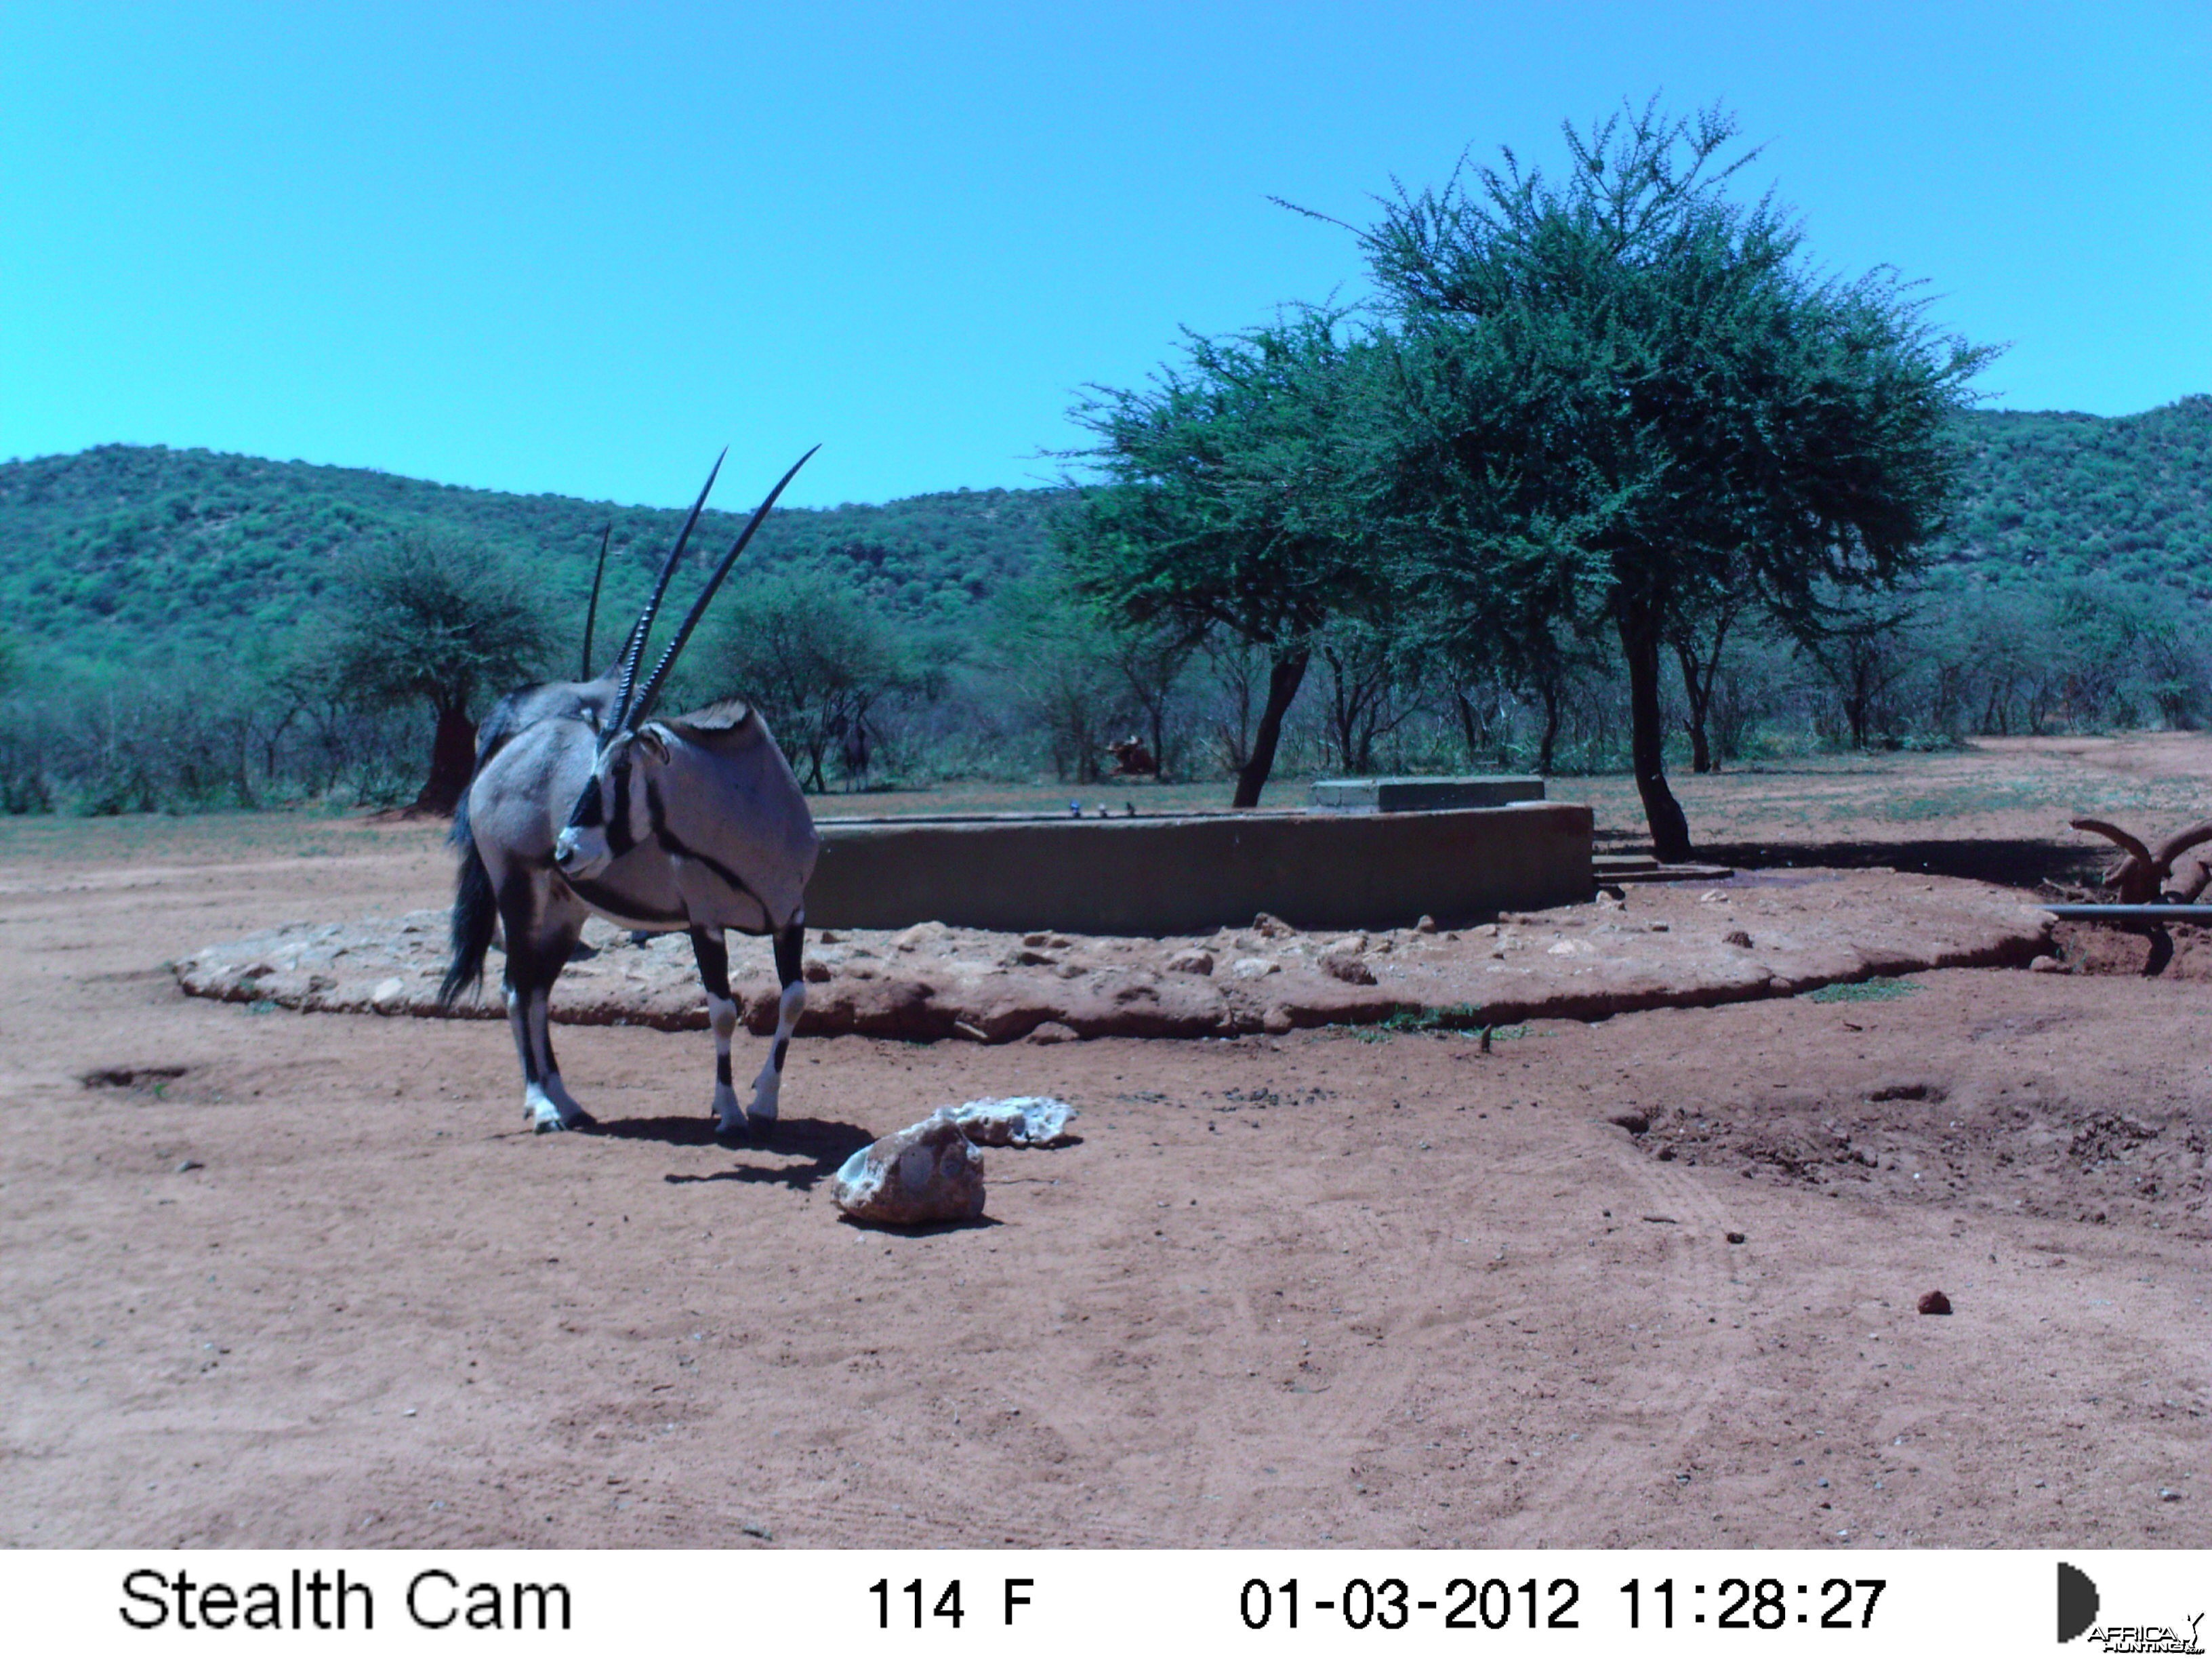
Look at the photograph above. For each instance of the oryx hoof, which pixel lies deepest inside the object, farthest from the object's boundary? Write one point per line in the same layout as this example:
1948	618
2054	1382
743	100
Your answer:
557	1122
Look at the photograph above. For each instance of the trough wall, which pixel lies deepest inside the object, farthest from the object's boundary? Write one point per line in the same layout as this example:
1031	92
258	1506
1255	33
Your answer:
1193	873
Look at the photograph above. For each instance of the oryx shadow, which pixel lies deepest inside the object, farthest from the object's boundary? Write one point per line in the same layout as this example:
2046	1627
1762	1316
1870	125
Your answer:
810	1149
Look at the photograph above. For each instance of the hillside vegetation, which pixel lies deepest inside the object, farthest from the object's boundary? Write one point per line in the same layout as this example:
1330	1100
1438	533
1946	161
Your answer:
168	637
2077	496
120	550
117	550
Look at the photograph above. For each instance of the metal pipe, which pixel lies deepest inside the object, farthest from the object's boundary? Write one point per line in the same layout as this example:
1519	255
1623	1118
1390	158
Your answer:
2129	911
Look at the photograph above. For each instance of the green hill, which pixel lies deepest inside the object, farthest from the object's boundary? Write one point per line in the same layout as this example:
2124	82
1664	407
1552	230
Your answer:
119	551
2051	495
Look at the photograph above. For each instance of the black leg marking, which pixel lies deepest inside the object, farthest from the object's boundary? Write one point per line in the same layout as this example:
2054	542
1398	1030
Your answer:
790	944
517	912
714	959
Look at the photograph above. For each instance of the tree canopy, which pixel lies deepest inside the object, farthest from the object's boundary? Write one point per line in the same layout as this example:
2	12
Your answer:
1623	400
438	620
1238	500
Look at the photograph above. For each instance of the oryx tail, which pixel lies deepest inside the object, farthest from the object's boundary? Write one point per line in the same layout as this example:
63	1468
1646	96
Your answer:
476	912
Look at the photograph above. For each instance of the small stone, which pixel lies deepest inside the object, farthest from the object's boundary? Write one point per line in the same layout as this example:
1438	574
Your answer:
1738	937
189	1165
1735	1238
921	934
1053	1031
1935	1303
388	994
2167	1495
1252	967
830	936
927	1172
2046	965
1425	925
1277	1021
1635	1122
1270	927
1191	961
1348	968
817	971
1035	940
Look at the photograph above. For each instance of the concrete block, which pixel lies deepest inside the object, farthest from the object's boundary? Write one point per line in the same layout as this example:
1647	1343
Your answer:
1423	794
1195	873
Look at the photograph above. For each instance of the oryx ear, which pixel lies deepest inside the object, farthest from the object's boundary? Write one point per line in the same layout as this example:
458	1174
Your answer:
652	739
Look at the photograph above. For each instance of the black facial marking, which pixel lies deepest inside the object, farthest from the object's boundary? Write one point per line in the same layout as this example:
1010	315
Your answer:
618	835
590	812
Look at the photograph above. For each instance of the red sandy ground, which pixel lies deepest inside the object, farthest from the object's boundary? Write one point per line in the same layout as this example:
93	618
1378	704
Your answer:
319	1286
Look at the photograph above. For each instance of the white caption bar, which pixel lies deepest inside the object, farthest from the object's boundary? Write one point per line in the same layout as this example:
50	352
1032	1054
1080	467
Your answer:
1236	1601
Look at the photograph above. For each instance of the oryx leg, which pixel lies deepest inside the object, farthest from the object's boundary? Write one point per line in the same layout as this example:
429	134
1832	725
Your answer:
789	941
714	959
540	931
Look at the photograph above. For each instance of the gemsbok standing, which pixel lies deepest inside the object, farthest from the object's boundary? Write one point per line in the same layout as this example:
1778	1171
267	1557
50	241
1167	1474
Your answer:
581	805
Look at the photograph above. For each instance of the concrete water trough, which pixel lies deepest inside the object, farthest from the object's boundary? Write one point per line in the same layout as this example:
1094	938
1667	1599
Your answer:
1190	872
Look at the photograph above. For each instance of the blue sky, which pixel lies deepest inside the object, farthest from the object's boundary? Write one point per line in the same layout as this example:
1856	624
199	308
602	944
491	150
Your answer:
578	248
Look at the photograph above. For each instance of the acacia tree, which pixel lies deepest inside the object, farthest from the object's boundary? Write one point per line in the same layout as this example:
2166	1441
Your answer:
816	657
1625	397
1236	501
445	622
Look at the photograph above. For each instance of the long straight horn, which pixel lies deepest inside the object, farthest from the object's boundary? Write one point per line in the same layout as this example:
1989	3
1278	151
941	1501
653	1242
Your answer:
653	687
591	615
633	652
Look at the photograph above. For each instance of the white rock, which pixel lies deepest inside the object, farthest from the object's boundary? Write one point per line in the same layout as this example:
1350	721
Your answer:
1252	967
1017	1120
929	1172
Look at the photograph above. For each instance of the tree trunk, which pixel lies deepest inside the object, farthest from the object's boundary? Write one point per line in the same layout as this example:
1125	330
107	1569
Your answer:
1697	679
1284	678
1699	697
452	760
1639	644
1551	692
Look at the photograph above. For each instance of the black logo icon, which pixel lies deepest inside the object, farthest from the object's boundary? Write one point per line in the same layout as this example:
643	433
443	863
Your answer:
2077	1602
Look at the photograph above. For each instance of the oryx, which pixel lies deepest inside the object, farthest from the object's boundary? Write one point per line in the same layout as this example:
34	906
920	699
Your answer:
580	804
